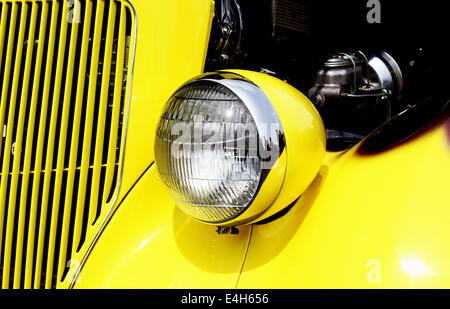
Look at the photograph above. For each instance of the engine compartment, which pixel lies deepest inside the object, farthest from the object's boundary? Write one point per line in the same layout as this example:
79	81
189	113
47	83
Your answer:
358	74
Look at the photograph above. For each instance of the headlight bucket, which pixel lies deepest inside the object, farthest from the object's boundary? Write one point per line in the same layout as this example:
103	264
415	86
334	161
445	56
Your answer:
228	161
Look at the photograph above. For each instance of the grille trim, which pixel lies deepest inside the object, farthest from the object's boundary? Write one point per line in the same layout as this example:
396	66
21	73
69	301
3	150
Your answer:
55	179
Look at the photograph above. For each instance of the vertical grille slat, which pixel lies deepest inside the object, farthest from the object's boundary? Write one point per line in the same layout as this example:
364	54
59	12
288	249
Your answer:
18	148
63	82
79	211
8	144
89	119
8	60
4	96
40	148
4	13
62	139
98	156
75	137
28	151
3	23
52	137
115	115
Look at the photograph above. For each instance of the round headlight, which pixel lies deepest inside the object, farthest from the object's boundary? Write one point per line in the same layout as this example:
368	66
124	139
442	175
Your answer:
212	151
220	149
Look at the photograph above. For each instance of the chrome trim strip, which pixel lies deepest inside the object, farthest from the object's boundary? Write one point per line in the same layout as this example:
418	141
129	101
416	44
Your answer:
119	181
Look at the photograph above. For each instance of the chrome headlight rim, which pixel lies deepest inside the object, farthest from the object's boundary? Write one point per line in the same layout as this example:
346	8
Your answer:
267	123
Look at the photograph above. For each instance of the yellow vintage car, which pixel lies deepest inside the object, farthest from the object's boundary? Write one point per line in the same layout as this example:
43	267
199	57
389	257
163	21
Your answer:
219	144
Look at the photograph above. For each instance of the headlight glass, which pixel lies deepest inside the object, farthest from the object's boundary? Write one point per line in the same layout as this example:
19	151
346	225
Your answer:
207	152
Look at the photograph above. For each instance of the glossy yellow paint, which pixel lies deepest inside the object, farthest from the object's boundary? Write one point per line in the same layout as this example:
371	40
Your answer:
366	221
172	41
149	243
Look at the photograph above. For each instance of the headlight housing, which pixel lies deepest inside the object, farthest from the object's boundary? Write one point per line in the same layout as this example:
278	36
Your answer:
220	149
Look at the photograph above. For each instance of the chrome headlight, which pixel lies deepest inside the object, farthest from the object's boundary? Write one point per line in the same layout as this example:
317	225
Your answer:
220	147
215	143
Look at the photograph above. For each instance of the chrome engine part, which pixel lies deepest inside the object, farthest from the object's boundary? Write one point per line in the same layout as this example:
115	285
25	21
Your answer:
226	34
352	90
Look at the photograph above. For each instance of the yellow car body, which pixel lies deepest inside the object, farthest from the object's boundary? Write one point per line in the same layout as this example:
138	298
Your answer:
338	234
366	221
378	220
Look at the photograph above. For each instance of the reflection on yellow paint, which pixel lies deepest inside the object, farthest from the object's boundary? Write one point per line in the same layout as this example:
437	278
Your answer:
414	267
145	242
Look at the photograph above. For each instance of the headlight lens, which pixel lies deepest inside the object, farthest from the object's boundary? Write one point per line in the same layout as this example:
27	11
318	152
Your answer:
207	152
